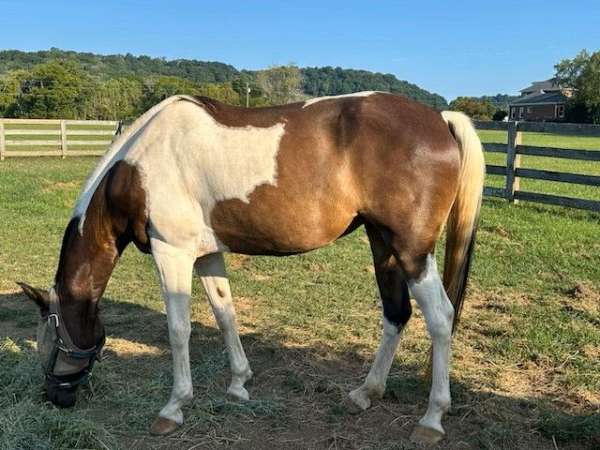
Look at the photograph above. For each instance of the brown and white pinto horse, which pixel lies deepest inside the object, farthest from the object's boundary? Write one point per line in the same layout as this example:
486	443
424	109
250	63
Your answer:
193	178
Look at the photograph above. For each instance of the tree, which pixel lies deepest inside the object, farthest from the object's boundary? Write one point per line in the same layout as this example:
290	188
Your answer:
500	102
473	107
117	99
10	87
223	92
281	84
246	80
583	74
57	89
157	89
499	115
568	71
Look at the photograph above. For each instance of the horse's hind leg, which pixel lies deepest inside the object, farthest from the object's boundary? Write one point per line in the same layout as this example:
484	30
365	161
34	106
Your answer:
395	300
428	290
211	269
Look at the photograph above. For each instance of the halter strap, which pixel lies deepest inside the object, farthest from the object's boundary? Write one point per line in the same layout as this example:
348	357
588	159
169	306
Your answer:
63	343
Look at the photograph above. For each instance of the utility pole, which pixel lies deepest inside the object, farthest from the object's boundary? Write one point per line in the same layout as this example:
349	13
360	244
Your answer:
247	94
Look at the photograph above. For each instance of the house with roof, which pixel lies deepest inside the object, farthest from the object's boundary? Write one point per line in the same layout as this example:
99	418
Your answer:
540	102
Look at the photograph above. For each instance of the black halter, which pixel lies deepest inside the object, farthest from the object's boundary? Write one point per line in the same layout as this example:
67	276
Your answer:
62	342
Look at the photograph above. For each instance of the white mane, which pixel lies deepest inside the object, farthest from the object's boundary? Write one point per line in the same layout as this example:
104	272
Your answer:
117	152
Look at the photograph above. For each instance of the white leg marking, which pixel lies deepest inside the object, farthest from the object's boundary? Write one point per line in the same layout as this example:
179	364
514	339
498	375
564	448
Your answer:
374	385
211	269
175	269
438	311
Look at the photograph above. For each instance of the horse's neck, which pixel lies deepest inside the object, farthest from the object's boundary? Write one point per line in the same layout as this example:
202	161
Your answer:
86	263
92	244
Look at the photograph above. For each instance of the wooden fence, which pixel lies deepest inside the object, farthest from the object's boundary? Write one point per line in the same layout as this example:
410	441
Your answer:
41	137
514	172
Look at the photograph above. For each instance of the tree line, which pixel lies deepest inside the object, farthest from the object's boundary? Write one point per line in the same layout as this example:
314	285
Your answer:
72	85
63	89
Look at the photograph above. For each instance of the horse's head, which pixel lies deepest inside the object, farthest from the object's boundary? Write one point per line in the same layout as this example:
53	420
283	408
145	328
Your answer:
65	365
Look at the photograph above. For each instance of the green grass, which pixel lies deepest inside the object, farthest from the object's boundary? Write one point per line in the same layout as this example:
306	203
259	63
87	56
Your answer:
567	428
526	364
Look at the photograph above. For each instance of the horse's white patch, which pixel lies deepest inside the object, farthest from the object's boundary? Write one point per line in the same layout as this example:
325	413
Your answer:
116	152
374	385
312	101
431	297
189	161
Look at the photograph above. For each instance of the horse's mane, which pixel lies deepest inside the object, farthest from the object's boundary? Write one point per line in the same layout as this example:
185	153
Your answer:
117	152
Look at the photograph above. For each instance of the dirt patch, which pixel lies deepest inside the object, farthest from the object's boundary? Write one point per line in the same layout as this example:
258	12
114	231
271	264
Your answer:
591	351
49	186
260	276
235	261
585	296
127	349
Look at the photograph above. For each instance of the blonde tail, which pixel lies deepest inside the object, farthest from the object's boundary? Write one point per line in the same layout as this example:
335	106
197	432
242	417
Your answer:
464	215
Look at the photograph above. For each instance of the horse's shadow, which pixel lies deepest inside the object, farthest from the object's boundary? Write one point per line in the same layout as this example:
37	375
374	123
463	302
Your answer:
297	393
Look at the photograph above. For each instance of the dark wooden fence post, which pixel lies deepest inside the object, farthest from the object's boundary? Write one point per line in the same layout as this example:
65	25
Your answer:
513	161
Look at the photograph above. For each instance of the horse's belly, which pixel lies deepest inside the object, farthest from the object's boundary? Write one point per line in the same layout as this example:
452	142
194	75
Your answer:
282	227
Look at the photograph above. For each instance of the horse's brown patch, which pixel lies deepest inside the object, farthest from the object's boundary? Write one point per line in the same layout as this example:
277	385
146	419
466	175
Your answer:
235	116
383	158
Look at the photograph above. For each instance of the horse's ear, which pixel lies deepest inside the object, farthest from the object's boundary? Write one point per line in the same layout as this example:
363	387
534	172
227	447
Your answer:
39	296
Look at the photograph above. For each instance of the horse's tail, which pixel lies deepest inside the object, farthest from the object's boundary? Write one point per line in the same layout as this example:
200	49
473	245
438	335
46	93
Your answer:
464	215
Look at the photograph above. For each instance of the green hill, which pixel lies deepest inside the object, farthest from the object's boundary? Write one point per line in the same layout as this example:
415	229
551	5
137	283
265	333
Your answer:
111	66
320	81
317	81
67	84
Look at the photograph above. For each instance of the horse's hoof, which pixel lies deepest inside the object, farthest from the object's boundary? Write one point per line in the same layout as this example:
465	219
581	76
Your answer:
163	426
426	436
350	406
238	393
360	400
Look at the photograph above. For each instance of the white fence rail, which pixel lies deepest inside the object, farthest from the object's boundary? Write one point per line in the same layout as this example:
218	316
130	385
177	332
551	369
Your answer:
46	137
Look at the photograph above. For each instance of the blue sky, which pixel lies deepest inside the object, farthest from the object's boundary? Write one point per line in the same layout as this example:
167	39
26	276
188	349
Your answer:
449	47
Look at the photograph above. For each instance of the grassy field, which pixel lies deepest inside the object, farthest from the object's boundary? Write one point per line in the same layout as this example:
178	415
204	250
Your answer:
526	365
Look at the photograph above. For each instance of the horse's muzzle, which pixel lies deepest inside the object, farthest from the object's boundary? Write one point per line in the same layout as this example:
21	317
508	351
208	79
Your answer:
63	397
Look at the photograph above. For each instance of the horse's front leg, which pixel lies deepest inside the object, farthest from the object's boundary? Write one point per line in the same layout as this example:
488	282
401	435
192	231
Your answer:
175	268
